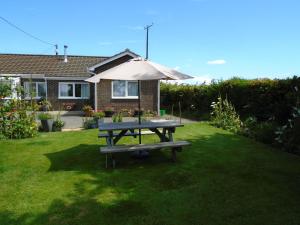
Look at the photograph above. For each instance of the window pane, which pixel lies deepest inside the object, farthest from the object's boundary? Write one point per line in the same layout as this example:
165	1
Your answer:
119	88
66	90
27	89
85	91
132	88
30	89
41	92
78	90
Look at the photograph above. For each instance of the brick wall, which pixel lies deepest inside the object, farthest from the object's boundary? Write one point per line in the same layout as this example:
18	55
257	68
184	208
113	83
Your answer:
148	92
57	104
148	97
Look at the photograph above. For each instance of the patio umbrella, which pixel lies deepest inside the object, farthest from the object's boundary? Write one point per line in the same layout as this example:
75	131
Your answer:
139	69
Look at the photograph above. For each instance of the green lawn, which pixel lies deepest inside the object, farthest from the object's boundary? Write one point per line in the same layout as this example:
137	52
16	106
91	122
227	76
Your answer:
59	178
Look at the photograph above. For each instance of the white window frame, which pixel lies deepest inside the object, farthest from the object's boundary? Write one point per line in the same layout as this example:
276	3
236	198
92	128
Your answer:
126	90
72	97
36	88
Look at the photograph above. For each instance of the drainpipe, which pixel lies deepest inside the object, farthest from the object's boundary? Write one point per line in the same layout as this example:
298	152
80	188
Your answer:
95	92
95	97
46	85
158	97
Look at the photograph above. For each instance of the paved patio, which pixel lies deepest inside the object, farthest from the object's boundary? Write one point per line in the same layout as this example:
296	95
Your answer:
74	122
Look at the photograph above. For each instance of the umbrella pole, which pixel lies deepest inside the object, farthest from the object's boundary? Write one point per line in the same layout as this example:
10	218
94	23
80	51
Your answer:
139	101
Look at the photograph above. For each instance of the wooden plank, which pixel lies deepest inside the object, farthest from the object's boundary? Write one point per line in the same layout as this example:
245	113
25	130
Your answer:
161	135
141	147
146	132
136	125
119	136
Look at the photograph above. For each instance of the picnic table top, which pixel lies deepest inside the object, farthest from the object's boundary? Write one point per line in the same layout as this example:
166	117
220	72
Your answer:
136	125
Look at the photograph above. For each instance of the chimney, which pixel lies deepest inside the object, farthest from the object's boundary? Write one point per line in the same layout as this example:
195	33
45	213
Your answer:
56	49
65	53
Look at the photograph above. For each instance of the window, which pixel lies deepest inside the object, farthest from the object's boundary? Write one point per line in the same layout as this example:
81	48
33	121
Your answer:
73	90
124	89
35	89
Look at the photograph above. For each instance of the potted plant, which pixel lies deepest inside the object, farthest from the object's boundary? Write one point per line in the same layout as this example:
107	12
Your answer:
99	117
45	105
137	112
126	112
46	121
109	111
58	124
88	110
89	123
117	118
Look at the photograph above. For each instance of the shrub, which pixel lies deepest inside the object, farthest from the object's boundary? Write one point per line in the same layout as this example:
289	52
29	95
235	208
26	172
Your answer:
249	126
225	116
58	123
45	116
288	135
109	111
265	132
261	98
45	105
98	115
88	110
17	117
116	118
89	123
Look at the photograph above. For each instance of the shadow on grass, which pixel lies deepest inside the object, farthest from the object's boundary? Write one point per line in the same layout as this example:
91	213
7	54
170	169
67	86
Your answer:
208	185
88	158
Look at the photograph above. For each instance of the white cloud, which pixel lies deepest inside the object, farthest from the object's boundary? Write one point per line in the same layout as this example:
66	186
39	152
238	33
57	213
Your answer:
176	68
196	80
217	62
105	43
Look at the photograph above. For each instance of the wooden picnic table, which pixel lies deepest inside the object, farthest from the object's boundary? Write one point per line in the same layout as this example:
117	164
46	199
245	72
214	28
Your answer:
125	128
115	131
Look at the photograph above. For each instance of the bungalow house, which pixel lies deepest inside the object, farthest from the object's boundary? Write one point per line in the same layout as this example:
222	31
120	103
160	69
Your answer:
61	80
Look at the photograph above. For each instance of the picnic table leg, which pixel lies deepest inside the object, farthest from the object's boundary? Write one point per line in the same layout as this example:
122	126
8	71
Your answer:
110	143
106	156
170	134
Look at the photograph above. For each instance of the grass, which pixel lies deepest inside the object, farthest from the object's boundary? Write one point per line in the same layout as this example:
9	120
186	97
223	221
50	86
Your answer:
59	178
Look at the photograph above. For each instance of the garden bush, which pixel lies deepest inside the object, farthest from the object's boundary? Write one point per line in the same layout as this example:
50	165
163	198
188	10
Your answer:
288	136
261	98
224	115
17	117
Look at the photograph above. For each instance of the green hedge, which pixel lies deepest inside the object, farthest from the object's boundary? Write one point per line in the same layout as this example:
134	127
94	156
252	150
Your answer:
262	98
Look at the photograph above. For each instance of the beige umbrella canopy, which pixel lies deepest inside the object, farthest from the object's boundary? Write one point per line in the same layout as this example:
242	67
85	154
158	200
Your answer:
139	69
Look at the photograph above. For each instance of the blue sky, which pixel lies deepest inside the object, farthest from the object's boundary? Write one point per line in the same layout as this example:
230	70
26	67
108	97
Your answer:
207	38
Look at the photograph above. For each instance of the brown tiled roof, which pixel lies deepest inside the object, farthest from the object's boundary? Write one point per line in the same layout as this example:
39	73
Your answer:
49	65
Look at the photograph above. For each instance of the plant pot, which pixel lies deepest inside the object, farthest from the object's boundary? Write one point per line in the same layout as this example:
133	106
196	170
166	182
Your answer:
136	112
47	125
55	128
108	113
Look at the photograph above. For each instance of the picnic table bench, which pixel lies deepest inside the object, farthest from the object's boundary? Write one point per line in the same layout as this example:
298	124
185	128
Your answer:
164	130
